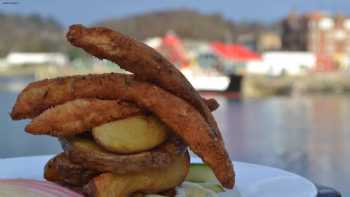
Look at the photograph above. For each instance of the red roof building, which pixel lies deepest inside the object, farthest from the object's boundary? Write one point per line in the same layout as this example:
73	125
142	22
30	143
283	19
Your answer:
235	52
172	48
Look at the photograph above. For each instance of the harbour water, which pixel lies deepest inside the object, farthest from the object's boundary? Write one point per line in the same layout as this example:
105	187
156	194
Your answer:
305	135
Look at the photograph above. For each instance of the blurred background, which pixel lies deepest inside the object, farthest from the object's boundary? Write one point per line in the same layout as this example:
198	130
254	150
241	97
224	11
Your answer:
279	69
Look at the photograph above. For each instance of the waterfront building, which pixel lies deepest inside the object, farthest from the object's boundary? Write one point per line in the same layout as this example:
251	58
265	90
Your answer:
23	58
328	37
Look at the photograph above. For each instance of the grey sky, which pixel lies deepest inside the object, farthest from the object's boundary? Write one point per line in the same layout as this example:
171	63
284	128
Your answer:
91	11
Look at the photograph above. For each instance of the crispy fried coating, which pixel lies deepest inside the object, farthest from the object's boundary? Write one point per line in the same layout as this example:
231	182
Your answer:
61	170
148	181
145	62
176	113
80	115
88	154
212	104
54	92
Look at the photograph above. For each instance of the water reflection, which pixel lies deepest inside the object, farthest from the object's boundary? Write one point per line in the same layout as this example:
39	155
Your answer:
14	141
305	135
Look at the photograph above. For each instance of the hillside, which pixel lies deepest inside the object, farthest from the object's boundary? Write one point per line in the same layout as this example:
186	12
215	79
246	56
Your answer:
186	23
30	33
35	33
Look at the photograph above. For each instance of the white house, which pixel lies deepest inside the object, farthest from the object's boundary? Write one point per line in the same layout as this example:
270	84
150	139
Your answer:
17	58
283	62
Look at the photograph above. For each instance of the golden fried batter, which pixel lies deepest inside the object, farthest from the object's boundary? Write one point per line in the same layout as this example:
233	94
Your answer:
60	169
88	154
146	63
212	104
80	115
176	113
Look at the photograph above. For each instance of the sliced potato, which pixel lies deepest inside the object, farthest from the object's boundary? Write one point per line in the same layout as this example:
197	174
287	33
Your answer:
131	135
88	154
148	181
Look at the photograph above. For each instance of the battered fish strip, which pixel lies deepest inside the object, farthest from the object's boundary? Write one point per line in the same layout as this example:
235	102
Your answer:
80	115
61	170
145	62
211	103
88	154
176	113
23	107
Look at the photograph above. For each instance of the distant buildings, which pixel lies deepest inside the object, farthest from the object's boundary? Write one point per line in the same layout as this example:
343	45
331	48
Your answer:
18	59
201	61
304	44
283	63
268	41
328	37
294	33
234	57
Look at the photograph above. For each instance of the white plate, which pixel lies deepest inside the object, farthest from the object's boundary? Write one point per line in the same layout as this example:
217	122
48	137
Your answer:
251	180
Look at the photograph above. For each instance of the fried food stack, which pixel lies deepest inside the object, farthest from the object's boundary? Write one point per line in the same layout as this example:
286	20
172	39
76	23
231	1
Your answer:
96	118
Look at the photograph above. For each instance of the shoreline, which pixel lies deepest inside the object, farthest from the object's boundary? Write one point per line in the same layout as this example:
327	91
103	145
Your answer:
312	84
253	86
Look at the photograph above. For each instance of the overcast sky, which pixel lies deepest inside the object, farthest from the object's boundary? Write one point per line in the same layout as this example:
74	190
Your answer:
90	11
